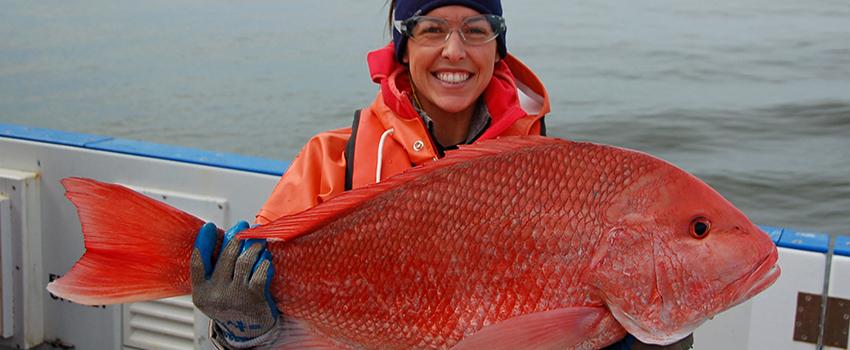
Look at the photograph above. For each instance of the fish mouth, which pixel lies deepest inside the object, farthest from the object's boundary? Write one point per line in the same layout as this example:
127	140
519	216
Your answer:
762	277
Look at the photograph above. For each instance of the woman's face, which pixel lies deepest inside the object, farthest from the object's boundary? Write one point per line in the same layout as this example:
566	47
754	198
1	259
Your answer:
451	77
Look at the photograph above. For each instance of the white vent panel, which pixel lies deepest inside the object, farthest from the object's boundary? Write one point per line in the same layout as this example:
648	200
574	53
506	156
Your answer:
166	324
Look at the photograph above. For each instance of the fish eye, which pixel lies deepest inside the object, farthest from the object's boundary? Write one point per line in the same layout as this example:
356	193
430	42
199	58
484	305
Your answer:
700	227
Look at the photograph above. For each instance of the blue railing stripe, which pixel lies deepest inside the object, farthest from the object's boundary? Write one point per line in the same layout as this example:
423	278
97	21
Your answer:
145	149
842	246
810	241
49	136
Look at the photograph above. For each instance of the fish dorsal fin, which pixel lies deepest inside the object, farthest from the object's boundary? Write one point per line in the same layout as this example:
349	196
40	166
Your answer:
555	329
292	226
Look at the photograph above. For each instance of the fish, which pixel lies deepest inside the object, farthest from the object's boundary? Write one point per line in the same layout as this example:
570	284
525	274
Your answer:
512	243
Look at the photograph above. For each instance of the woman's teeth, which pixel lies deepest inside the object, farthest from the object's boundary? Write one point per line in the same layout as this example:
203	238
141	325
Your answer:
453	78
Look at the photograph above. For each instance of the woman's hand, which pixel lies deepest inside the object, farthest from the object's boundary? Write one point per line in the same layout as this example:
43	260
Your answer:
234	290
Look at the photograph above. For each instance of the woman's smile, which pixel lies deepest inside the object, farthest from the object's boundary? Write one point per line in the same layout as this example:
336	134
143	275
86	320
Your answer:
453	78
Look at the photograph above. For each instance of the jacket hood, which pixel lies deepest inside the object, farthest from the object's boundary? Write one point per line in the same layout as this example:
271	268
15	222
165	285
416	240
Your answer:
514	91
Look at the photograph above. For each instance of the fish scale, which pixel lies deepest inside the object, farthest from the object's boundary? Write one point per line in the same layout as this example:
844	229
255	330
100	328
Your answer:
515	243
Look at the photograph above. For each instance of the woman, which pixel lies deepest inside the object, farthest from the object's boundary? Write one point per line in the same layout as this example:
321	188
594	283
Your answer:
445	80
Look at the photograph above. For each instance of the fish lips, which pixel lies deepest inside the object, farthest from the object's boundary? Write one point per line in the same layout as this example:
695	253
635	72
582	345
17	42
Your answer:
762	277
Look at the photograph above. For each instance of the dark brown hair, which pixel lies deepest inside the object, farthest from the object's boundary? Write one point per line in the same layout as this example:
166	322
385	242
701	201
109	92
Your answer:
390	15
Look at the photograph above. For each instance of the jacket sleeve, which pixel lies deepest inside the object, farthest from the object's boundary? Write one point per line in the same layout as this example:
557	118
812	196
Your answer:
316	175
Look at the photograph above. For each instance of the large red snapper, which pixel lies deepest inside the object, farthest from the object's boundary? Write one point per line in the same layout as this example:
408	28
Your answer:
517	243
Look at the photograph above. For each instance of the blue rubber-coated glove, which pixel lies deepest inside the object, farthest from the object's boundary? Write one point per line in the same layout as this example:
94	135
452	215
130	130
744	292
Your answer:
234	290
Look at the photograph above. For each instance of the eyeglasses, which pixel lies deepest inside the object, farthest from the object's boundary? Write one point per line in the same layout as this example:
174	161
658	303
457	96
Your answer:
435	31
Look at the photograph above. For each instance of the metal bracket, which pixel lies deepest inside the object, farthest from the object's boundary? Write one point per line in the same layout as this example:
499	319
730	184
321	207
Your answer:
807	322
837	323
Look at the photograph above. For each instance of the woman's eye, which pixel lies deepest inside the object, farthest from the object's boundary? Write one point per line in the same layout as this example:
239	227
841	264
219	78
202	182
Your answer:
431	30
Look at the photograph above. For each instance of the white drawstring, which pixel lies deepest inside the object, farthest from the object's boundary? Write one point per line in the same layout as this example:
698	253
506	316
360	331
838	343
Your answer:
381	154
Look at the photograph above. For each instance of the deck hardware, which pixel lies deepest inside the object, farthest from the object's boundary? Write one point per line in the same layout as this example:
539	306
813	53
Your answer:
807	321
837	323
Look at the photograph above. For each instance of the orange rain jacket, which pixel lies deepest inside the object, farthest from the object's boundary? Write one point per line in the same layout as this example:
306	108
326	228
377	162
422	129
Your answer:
515	98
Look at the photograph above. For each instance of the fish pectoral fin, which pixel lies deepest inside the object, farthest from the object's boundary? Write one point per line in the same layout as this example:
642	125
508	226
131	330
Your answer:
554	329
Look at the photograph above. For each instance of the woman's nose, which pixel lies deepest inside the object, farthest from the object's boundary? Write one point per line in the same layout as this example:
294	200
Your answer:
454	48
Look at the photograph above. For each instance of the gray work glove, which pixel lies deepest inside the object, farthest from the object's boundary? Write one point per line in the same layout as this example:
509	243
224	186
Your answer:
234	290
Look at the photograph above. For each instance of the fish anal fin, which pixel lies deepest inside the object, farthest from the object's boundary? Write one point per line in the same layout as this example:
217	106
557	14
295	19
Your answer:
555	329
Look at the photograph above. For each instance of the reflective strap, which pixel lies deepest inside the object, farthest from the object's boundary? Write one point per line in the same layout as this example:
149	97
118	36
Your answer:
381	154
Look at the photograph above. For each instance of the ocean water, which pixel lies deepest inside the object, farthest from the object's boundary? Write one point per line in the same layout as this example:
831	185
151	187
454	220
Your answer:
752	96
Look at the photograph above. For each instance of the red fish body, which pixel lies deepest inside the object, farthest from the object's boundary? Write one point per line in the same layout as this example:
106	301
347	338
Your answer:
514	243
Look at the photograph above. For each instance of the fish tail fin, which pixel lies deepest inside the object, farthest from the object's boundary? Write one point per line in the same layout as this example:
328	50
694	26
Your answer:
136	248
